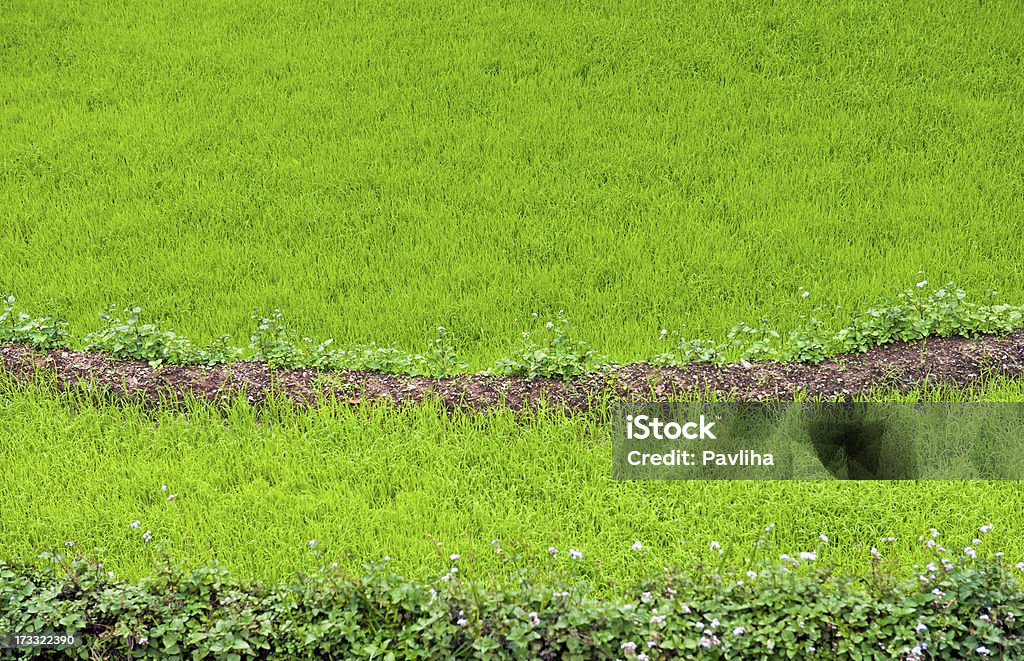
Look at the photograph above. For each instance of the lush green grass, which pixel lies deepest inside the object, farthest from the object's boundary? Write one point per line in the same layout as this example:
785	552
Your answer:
378	169
253	490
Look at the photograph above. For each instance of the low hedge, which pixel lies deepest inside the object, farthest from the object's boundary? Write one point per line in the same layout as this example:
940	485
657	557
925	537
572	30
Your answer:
791	609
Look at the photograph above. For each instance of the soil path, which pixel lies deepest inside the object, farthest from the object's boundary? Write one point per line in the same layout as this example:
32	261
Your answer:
957	362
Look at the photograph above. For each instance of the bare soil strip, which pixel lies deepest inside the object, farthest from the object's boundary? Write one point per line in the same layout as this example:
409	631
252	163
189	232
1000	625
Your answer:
957	362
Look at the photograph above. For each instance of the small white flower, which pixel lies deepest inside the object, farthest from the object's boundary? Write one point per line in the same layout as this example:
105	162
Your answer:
110	574
440	329
657	620
1020	566
751	574
553	551
664	332
575	554
875	553
808	555
983	617
970	552
715	545
937	592
739	631
172	496
985	528
642	657
143	640
136	523
147	536
637	546
805	294
714	623
629	648
312	543
823	538
930	543
770	527
163	488
935	533
921	626
69	544
984	651
453	557
534	619
461	622
646	597
921	284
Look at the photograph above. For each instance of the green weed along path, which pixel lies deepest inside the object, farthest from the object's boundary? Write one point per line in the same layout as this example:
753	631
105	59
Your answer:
252	492
378	172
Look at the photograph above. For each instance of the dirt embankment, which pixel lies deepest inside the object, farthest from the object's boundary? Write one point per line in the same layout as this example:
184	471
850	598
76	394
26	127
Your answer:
957	362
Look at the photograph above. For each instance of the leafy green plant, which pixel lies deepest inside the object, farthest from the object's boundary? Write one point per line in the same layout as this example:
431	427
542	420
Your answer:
556	355
218	352
754	343
127	338
273	342
441	360
688	351
39	332
807	343
550	351
776	607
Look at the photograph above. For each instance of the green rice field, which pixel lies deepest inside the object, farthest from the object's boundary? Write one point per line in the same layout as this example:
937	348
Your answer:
377	170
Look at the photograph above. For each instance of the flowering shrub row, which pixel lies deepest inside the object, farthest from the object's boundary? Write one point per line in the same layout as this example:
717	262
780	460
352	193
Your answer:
966	608
549	351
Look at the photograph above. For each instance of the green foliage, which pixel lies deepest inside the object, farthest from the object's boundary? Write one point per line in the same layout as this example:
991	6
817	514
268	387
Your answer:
273	342
755	343
441	359
127	338
788	608
40	332
688	351
913	315
556	355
